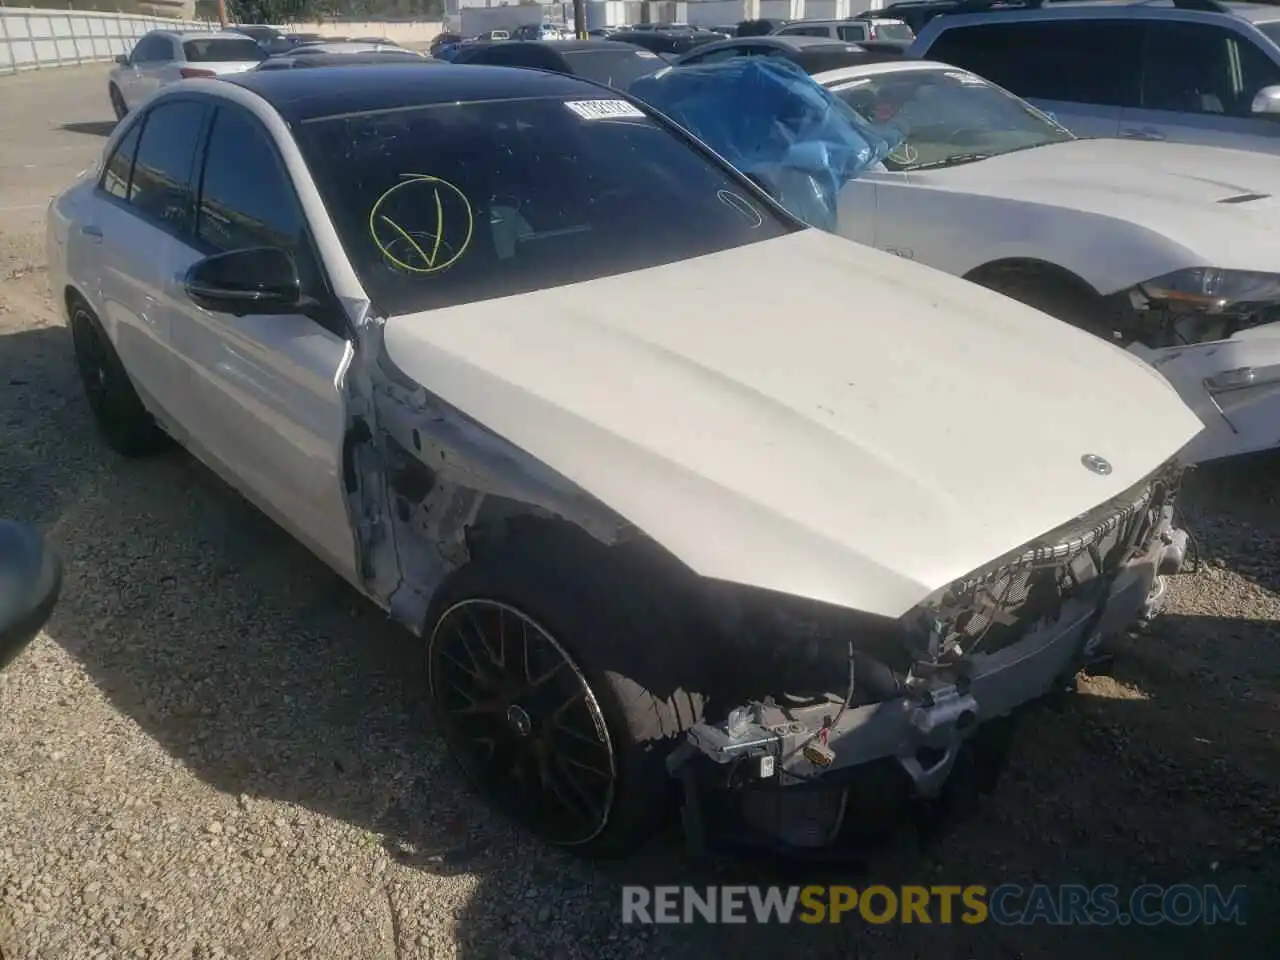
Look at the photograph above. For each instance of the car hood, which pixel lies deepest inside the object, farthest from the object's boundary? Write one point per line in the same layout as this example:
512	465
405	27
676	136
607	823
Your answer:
806	414
1222	206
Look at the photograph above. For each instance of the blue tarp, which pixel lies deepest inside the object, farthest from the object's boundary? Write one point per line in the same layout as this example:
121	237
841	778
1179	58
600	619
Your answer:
768	118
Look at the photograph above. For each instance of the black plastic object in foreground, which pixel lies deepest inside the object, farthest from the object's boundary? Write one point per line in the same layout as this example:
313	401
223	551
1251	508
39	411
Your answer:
30	578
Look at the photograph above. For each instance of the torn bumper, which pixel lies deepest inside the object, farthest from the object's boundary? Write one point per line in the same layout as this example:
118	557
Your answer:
764	749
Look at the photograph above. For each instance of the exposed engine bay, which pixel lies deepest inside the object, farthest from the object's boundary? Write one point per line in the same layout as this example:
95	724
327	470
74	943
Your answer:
913	692
1161	323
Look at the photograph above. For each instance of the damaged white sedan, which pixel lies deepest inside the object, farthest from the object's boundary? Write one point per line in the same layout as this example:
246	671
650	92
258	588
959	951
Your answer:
509	353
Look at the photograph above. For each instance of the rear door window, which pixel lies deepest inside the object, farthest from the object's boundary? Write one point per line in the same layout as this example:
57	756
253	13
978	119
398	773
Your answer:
117	171
1073	61
161	185
853	33
153	49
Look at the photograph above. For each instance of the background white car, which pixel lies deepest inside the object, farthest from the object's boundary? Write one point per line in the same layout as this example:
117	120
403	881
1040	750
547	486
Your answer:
163	57
1171	250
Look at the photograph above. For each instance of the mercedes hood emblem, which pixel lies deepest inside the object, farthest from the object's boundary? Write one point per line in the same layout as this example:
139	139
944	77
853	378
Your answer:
1096	464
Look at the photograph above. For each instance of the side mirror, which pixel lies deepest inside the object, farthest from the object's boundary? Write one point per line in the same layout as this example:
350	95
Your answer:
122	59
30	578
1266	103
246	282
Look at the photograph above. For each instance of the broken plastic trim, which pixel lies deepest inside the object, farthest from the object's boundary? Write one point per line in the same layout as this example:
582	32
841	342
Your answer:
423	479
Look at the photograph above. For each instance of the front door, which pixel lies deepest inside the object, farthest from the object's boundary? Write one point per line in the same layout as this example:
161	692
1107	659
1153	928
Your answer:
265	403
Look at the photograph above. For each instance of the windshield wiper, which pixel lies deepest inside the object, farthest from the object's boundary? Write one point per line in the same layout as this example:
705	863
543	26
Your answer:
952	161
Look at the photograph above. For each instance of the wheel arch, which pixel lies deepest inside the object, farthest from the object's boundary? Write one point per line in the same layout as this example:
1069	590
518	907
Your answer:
71	297
1032	267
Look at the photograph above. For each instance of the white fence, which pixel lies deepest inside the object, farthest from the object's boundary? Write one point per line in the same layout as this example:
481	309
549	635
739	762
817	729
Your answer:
31	39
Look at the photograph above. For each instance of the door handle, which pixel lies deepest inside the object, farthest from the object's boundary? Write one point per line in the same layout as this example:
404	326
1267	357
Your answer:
1134	133
92	232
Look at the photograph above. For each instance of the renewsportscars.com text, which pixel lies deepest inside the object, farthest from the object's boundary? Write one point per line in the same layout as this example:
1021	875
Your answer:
1006	904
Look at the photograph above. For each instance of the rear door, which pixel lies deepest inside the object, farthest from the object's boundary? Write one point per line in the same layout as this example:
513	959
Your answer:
145	57
265	407
1084	72
160	67
145	208
126	78
1198	85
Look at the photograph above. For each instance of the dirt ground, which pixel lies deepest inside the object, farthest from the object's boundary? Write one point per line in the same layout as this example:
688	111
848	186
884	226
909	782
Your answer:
216	749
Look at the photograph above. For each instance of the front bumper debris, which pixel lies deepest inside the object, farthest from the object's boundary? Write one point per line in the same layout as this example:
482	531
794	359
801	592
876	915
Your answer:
777	757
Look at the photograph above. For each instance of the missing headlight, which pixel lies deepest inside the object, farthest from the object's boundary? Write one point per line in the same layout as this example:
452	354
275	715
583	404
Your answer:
1200	305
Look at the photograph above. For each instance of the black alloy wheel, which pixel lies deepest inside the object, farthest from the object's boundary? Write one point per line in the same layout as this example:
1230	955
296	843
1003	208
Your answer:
522	720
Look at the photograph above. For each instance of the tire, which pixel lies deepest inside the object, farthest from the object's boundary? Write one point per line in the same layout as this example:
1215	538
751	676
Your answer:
1052	294
627	652
122	418
120	108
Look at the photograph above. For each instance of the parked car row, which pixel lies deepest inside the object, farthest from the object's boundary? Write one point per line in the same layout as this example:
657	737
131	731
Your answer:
508	350
161	57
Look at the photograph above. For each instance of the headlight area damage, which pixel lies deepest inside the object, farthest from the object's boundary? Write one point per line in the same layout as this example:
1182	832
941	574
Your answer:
1196	305
794	762
1214	334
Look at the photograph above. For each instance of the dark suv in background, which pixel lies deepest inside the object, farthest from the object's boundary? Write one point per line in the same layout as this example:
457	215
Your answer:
1190	71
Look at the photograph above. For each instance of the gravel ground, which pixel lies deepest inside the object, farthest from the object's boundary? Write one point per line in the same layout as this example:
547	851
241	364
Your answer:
217	750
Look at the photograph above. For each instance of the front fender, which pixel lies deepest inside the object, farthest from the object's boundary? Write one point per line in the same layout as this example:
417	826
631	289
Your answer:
959	233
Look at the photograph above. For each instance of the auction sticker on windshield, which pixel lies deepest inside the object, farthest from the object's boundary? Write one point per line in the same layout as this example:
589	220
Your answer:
604	109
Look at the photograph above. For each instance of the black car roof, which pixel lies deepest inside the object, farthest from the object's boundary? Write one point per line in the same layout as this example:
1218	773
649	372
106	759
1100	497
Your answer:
301	95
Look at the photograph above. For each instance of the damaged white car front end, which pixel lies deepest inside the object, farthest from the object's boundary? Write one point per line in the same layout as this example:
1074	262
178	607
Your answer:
978	650
650	510
859	506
